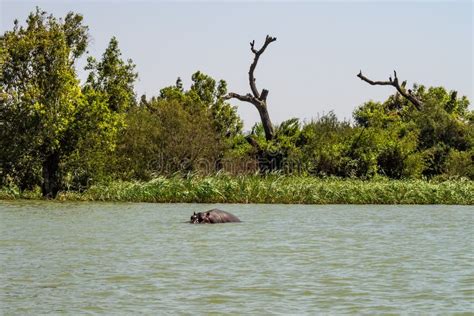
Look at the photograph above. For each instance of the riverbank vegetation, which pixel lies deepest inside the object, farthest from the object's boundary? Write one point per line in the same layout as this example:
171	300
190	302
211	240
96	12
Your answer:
96	140
269	189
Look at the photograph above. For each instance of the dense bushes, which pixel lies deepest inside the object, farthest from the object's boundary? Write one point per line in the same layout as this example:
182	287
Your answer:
165	141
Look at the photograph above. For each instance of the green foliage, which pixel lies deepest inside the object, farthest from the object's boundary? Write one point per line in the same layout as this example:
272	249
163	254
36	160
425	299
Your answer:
44	115
113	77
206	95
360	157
98	127
459	164
418	142
206	98
42	94
165	138
374	114
280	153
324	142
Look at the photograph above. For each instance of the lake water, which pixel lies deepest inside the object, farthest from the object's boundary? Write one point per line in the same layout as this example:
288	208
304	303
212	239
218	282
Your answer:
105	258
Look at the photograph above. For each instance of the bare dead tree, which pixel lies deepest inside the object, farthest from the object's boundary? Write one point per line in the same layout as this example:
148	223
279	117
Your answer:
394	82
259	100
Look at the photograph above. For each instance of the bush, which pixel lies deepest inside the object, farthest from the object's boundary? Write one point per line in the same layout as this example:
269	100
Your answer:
165	140
459	164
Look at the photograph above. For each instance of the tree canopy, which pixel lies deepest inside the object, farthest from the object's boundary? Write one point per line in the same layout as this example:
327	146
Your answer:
45	115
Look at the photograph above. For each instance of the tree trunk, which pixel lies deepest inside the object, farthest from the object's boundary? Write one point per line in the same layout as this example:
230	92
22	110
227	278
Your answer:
51	178
259	100
266	122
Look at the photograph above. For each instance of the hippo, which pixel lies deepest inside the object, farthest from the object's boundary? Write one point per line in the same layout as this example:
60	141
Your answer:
213	216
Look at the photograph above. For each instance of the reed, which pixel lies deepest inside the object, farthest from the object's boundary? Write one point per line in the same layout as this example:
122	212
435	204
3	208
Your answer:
275	189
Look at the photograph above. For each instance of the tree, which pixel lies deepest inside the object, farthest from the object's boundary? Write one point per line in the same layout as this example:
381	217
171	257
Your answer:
113	77
427	139
179	130
205	94
93	134
259	100
273	150
323	144
165	138
226	120
43	112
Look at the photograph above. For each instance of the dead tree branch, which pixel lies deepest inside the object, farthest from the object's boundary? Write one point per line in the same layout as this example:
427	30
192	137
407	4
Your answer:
259	100
394	82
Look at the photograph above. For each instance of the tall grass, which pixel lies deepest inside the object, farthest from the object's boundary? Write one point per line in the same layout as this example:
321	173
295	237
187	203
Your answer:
272	189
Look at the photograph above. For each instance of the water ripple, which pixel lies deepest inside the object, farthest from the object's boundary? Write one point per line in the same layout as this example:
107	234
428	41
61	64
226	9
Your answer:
105	258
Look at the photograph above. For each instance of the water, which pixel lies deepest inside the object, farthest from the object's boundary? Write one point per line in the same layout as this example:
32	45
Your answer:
105	258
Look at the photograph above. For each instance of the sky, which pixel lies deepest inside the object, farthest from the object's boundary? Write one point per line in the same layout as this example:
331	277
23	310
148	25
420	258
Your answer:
310	70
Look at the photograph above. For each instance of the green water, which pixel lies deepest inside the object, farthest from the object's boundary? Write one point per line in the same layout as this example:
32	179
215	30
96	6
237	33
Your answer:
96	258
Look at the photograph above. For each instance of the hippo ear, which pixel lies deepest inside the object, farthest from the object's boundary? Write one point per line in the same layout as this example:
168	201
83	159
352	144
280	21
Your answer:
194	213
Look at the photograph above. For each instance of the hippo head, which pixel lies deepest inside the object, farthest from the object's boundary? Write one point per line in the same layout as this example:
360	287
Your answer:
200	218
194	218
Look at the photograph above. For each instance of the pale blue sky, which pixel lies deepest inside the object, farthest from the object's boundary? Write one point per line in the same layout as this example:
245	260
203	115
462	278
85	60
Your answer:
311	68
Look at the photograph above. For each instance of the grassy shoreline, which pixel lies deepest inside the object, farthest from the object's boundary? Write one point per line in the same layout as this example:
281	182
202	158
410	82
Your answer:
272	189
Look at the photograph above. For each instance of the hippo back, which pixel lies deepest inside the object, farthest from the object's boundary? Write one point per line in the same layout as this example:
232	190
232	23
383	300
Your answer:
219	216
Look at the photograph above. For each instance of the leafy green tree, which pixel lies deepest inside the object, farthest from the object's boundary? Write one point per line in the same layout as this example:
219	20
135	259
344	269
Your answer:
114	77
323	144
43	112
207	95
442	125
180	131
96	129
165	138
206	98
459	164
419	140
